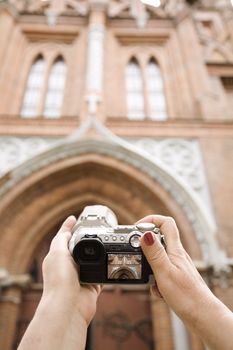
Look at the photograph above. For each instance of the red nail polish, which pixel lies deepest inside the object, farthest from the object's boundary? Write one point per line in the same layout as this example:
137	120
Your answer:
148	238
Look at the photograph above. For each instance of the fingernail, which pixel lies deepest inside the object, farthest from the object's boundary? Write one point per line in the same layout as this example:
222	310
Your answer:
148	238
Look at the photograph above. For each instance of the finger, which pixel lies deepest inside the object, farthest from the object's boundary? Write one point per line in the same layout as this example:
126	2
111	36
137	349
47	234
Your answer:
61	240
155	291
97	288
155	253
168	228
67	225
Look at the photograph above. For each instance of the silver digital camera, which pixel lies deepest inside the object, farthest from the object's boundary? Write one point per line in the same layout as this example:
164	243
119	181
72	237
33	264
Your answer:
107	252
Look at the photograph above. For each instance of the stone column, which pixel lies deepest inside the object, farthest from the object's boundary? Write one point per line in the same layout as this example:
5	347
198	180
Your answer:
6	26
10	302
95	57
12	46
161	324
205	106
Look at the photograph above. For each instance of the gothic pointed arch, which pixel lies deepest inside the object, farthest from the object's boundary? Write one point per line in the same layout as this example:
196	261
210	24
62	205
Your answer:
155	91
34	88
39	194
55	89
134	90
79	172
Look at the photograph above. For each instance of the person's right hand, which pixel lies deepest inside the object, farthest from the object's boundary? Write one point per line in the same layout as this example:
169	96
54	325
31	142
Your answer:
182	287
178	280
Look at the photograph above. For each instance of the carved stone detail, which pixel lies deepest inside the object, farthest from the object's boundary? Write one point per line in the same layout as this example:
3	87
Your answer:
95	58
8	280
183	157
142	12
214	37
14	150
219	4
136	9
51	8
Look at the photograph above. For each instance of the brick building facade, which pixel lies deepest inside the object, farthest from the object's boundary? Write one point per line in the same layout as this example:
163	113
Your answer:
125	104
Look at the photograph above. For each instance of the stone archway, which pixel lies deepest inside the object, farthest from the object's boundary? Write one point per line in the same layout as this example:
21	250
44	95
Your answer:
194	211
43	191
45	197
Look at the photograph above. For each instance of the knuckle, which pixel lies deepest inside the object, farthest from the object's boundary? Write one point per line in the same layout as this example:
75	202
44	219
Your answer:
45	263
170	220
48	260
179	251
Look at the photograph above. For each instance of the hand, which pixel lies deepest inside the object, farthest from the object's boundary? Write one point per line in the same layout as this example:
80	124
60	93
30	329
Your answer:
178	281
66	308
61	277
182	287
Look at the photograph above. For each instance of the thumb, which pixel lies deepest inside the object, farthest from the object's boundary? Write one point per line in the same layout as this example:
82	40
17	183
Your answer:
154	253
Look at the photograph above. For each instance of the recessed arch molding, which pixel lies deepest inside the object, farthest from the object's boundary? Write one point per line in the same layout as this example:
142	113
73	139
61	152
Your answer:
194	210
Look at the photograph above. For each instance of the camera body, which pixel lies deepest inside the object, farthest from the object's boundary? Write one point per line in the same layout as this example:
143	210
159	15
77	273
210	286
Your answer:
107	252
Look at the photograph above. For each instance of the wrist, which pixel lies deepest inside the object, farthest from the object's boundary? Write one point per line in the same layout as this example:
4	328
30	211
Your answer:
58	295
209	311
213	313
71	304
59	303
196	306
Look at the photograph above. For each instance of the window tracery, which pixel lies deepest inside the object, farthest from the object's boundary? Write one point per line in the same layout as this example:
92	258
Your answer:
134	91
55	91
155	92
34	88
214	37
145	91
44	93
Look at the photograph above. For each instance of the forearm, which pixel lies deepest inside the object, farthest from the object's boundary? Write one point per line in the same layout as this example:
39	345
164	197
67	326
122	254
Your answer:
57	324
214	324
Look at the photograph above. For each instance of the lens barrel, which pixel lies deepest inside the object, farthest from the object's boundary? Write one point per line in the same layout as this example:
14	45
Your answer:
89	251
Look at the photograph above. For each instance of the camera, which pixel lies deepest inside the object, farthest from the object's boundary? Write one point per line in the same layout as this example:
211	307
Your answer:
107	252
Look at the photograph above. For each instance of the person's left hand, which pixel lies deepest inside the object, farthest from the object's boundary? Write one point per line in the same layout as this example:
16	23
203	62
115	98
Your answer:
61	277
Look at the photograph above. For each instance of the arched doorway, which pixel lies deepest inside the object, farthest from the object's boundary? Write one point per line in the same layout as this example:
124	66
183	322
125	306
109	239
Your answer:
34	207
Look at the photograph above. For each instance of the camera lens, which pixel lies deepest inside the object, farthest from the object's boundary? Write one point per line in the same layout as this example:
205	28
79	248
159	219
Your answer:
88	250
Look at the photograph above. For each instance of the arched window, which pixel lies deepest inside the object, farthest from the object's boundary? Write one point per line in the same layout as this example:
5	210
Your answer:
134	91
155	92
55	93
32	96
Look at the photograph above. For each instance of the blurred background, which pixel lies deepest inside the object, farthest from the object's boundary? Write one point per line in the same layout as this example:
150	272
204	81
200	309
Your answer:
124	103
